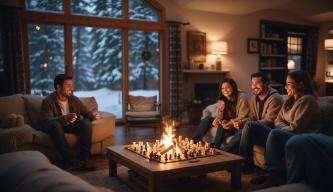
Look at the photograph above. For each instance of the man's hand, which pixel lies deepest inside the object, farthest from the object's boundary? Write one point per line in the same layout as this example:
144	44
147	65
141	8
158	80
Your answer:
70	118
96	115
238	124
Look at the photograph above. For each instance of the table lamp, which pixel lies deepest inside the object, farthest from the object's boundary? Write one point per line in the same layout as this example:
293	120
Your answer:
219	48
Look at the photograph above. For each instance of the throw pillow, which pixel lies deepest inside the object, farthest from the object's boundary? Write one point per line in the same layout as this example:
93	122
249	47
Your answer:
33	105
12	120
326	114
141	103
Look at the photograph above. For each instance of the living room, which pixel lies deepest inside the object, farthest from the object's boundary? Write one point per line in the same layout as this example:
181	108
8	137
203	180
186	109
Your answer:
175	53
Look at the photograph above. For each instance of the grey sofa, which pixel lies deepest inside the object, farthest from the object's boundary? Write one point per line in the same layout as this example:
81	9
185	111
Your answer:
32	171
26	136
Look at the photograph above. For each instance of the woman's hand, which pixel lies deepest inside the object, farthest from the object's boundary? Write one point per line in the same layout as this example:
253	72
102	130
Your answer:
216	122
226	124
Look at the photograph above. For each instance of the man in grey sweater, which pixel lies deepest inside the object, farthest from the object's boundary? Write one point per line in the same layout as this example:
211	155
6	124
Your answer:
265	105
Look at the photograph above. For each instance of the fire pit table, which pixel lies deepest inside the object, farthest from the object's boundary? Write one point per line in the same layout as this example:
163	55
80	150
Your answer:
155	172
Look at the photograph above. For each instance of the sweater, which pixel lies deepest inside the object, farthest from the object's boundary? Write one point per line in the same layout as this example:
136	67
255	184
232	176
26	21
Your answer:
301	117
271	108
242	108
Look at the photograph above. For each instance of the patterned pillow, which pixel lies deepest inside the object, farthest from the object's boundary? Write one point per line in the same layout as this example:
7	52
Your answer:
140	103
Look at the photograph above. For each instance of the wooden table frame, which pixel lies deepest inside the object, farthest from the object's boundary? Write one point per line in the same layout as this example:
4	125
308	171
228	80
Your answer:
156	172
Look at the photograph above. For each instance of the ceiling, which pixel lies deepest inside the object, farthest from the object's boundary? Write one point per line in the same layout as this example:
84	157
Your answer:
313	10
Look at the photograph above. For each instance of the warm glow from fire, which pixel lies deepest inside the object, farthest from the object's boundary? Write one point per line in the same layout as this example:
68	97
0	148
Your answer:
170	148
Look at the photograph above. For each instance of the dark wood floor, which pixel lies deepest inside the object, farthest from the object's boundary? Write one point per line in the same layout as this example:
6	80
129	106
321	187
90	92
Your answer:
136	134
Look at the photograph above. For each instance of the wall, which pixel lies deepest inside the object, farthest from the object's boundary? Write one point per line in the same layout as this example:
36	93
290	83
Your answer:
232	28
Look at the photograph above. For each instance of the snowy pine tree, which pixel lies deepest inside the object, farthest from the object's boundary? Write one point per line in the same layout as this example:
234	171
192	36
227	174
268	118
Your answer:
82	64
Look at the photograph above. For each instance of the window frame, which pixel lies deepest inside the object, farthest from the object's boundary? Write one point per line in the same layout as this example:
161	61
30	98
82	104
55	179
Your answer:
124	24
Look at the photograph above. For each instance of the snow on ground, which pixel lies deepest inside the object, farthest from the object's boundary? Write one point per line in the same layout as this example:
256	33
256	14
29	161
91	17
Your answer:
111	100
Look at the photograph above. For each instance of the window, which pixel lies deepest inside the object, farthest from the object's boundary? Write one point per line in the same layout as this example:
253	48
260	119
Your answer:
45	5
101	8
46	56
295	51
97	66
144	60
141	10
87	41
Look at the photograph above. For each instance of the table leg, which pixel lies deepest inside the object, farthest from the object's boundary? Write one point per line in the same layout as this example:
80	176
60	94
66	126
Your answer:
236	171
153	183
112	168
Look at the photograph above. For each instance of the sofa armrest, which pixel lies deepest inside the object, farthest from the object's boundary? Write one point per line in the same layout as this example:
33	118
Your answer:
104	127
15	136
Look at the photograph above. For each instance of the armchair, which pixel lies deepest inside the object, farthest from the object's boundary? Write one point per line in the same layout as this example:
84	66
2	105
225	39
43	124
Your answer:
142	112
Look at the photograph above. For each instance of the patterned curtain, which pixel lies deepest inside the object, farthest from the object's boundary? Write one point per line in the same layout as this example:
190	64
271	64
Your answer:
311	51
11	43
175	70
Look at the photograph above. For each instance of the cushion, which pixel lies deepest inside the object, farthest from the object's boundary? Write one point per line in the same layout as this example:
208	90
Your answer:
33	105
143	114
12	120
11	104
41	138
90	103
326	114
140	103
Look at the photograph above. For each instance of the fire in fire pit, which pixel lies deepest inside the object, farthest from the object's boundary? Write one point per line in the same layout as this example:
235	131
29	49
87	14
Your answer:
171	149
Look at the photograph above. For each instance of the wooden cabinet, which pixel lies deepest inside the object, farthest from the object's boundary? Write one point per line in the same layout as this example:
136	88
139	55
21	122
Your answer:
273	52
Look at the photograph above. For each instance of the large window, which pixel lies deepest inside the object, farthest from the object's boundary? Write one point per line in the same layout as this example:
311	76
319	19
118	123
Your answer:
295	51
108	57
144	59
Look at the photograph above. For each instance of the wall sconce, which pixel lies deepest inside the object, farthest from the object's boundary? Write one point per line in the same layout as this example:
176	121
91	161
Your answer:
328	44
219	48
291	64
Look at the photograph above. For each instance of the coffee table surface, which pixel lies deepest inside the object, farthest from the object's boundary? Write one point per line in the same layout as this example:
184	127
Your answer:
125	156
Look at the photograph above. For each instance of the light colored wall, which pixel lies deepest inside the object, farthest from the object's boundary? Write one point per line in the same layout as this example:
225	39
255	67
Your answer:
231	28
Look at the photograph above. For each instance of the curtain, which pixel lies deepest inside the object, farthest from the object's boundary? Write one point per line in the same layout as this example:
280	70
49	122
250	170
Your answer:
311	51
13	68
175	70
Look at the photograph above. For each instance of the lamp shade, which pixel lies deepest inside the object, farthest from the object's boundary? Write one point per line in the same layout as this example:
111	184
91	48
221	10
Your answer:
291	64
328	44
219	47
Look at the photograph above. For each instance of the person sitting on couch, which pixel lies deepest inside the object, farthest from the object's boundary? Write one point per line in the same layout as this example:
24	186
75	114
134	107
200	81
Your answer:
295	117
265	105
61	113
232	106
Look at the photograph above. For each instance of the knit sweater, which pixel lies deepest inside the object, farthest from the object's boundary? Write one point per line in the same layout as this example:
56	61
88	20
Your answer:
271	108
242	108
301	117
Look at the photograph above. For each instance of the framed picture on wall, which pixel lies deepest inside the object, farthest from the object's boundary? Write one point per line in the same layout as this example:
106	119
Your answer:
252	45
196	47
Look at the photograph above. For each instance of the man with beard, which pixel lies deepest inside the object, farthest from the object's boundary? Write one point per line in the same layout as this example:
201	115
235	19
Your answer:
61	113
265	105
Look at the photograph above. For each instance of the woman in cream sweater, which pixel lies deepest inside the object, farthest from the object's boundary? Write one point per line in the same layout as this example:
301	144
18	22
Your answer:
296	116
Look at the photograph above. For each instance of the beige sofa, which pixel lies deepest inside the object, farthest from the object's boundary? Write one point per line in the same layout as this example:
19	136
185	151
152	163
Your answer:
28	137
32	171
325	112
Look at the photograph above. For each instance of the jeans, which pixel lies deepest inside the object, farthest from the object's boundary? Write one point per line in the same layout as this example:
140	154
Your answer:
309	158
221	134
82	128
253	133
205	125
274	152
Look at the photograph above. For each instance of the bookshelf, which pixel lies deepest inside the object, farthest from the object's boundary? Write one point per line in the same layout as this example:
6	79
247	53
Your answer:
273	52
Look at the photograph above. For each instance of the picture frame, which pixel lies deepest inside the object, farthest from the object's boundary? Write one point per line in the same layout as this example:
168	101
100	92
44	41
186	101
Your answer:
196	47
253	45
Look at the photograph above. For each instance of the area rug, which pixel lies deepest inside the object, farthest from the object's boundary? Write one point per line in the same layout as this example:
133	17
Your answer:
217	181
